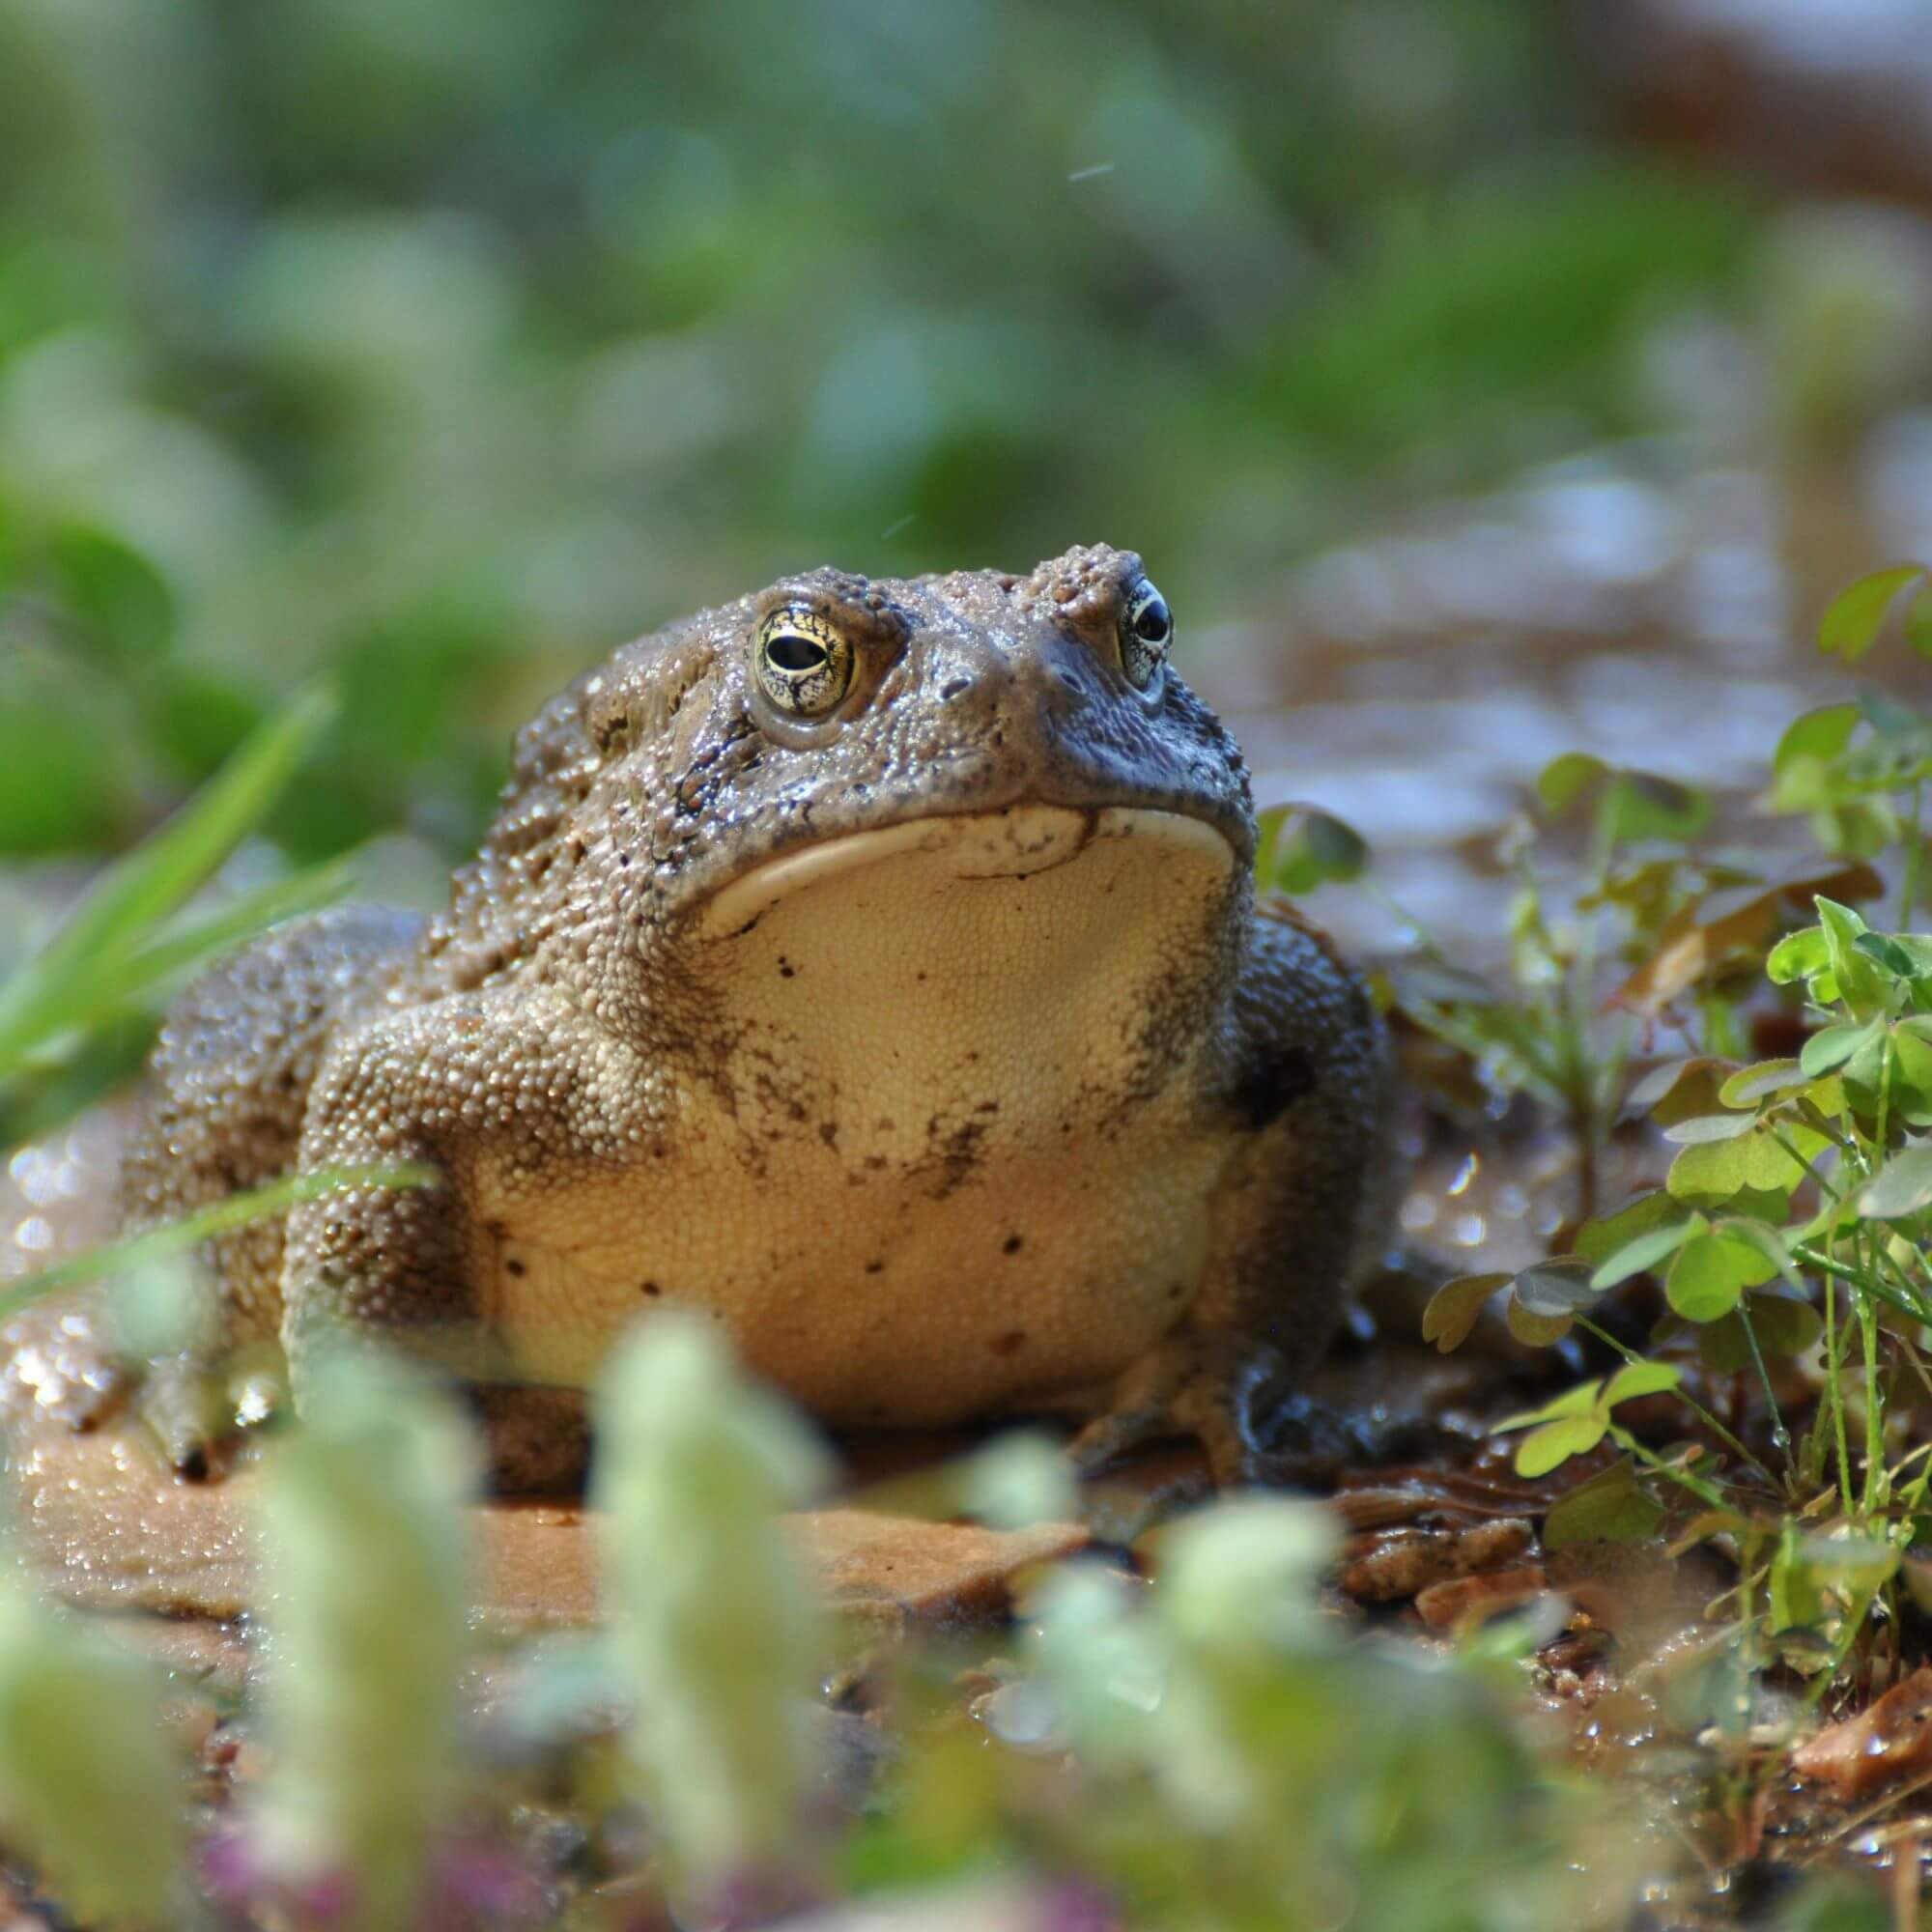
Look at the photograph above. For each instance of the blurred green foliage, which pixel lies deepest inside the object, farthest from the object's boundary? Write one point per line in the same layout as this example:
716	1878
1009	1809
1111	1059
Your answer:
1216	1753
445	350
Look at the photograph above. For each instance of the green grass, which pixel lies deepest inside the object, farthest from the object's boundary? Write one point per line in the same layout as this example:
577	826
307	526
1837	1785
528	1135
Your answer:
139	929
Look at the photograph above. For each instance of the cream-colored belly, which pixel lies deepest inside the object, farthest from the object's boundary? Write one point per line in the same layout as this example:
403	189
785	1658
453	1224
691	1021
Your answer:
954	1158
874	1302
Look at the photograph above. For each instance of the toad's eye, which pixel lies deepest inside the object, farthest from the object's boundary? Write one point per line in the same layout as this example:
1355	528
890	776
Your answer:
804	662
1147	631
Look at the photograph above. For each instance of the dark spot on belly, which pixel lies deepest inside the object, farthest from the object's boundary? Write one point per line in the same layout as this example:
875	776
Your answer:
1012	1244
652	1289
1268	1087
828	1132
1010	1343
875	1268
787	969
514	1267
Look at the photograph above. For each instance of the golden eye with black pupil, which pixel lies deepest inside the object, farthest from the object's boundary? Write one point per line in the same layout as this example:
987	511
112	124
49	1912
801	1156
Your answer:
804	662
1146	634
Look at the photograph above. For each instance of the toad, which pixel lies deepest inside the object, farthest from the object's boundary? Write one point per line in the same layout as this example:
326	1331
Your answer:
873	966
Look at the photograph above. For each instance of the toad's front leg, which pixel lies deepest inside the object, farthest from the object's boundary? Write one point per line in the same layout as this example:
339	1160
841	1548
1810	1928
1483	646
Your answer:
502	1081
1303	1209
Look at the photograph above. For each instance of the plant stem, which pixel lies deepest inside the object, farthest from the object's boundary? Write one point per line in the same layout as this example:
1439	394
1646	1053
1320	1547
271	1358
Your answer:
1875	1482
1884	1060
1818	1180
1908	889
1690	1402
1904	1298
1860	1278
1704	1492
1419	935
1839	1437
1914	1499
1585	1089
1779	1434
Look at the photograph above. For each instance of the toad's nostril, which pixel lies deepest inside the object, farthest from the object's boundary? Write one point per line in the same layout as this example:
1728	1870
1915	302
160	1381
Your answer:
958	688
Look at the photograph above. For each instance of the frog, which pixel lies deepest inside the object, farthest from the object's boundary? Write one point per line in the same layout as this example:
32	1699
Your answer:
873	968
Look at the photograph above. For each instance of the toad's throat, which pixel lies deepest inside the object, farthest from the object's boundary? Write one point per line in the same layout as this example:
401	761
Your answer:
1023	974
1017	842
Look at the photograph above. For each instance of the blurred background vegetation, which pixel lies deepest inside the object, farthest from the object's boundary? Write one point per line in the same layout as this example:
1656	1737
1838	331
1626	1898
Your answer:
443	347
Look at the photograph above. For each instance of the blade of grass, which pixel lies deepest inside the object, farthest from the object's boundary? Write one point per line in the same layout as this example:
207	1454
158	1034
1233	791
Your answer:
125	979
219	1219
159	876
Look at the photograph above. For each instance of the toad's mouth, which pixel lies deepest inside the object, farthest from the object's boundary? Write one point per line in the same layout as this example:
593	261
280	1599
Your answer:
1017	842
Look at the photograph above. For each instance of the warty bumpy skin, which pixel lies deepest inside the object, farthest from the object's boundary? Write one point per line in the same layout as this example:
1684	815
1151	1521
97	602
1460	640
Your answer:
874	966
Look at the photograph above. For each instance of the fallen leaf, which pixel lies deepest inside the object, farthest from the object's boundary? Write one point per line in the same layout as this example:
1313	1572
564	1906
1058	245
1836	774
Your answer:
1388	1565
1445	1606
1891	1739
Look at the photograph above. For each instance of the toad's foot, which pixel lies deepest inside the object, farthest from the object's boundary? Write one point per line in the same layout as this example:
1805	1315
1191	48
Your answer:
537	1440
1237	1398
538	1437
201	1412
68	1369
